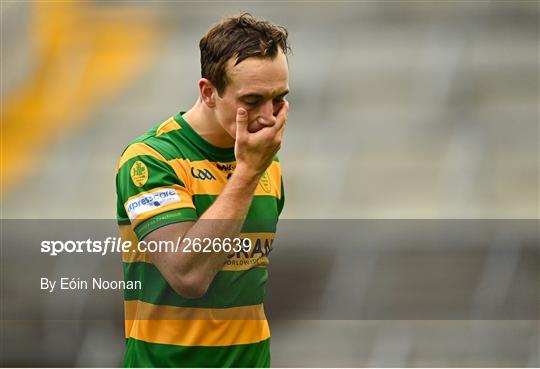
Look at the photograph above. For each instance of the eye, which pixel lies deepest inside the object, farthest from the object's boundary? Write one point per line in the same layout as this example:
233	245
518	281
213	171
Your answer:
278	101
252	101
281	98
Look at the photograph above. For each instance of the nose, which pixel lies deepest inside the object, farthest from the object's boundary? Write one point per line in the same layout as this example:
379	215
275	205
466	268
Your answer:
266	115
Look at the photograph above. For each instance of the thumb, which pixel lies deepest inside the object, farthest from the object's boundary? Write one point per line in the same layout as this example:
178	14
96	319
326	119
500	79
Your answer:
241	122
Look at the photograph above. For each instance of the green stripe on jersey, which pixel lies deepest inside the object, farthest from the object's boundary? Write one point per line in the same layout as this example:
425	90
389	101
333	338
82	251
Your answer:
140	354
228	289
261	216
163	219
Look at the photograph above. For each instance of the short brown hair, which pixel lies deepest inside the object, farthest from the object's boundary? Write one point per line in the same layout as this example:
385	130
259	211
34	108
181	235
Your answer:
239	37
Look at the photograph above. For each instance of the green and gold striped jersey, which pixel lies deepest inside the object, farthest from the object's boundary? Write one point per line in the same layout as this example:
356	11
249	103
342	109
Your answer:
170	175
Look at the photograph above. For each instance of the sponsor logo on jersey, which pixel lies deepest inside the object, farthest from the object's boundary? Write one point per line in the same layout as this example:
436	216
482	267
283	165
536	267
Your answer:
139	173
260	247
265	182
225	167
151	201
202	174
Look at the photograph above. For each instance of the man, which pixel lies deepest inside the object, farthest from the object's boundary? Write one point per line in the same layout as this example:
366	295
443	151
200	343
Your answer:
208	174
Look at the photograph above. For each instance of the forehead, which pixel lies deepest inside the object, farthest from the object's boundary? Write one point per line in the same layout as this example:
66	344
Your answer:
262	76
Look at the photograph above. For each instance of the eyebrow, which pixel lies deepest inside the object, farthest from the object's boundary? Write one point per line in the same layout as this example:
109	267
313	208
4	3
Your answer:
282	94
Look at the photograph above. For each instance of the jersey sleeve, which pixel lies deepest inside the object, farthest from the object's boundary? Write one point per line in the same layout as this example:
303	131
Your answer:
281	200
150	193
281	190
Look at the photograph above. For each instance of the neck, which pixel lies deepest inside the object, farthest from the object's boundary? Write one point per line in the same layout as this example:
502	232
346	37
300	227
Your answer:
203	121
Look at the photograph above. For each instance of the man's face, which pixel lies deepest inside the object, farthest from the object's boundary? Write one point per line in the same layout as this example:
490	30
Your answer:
258	85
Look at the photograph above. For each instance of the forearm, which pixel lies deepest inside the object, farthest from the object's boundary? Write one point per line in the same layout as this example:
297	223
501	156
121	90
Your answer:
223	219
234	201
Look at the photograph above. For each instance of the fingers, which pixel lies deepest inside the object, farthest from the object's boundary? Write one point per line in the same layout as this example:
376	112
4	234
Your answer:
281	131
282	116
282	122
241	122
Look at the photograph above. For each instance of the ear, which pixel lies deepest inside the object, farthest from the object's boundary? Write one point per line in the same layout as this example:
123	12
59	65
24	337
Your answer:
208	92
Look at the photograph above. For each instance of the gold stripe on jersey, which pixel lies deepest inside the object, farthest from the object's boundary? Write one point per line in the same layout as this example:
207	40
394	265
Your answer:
202	183
269	184
138	149
167	126
231	265
132	255
238	262
195	332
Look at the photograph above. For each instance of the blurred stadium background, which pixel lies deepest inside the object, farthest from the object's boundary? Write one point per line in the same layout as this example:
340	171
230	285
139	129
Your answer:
399	109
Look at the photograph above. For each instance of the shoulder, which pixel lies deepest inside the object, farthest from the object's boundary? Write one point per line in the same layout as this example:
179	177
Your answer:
160	143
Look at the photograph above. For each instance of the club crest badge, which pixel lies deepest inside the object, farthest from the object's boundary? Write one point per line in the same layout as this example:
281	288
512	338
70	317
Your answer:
139	173
265	182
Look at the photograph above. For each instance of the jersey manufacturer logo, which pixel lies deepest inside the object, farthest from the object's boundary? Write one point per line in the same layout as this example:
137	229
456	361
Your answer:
151	201
265	182
139	173
202	174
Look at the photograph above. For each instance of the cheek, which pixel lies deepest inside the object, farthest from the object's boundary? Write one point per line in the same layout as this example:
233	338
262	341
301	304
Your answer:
229	123
226	113
230	120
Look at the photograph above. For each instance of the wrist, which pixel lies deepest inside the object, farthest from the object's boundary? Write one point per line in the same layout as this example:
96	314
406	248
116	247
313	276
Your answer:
246	174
